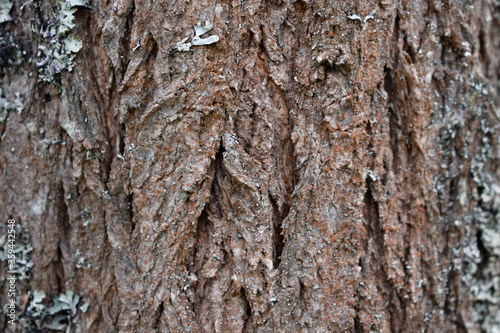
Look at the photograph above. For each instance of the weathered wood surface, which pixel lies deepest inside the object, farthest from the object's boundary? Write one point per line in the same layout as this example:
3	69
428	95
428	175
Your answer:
308	172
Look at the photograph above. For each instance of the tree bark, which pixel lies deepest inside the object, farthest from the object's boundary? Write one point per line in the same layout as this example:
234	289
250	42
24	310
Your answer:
309	172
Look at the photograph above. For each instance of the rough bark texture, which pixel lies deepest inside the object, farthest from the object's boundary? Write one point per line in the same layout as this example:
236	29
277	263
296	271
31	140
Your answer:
306	173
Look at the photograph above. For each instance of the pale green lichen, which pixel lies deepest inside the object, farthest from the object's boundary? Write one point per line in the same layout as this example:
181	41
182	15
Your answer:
356	17
185	46
477	256
36	316
5	7
58	53
36	308
6	105
482	266
79	3
23	263
58	317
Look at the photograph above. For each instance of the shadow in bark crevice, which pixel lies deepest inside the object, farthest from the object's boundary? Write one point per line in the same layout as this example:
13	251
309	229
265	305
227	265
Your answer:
64	243
125	41
278	215
150	86
158	315
202	238
375	259
248	315
394	128
204	245
130	211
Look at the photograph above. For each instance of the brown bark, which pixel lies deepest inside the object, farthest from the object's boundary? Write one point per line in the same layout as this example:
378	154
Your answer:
308	172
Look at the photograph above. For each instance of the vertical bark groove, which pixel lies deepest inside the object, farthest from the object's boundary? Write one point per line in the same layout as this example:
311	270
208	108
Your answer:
247	317
126	38
277	223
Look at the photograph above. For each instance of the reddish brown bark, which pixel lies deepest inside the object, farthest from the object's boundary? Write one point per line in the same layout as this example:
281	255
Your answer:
308	172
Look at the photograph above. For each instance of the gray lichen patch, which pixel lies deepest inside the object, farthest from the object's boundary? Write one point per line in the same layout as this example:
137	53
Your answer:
23	263
80	3
58	52
199	30
57	317
34	315
370	16
485	281
6	105
5	7
481	241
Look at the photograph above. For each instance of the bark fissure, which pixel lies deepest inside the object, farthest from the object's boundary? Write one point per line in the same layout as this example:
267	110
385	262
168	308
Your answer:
64	244
199	255
129	206
376	242
372	215
247	315
152	55
393	118
125	41
121	139
59	269
277	217
284	163
485	256
205	249
159	314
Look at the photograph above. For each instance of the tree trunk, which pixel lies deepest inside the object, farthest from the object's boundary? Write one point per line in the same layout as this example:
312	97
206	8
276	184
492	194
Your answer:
322	167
